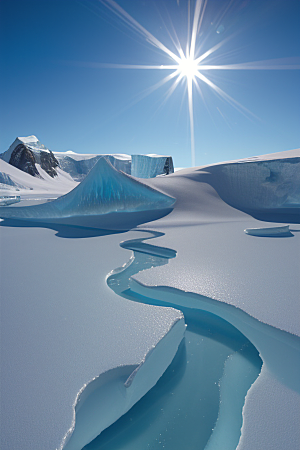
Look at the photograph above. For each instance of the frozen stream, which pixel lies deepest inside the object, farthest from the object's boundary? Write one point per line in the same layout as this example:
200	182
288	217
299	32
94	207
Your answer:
197	403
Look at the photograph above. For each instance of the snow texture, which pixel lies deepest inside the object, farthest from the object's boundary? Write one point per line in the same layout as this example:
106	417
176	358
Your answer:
62	327
13	179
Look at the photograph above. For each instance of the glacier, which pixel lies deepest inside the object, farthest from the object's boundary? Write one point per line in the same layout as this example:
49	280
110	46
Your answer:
103	192
251	343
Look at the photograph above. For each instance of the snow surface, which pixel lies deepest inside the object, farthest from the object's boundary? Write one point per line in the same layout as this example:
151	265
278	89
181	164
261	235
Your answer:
62	326
28	186
56	325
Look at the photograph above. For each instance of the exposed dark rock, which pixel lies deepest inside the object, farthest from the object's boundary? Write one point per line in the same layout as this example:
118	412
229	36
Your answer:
25	159
168	167
22	158
48	163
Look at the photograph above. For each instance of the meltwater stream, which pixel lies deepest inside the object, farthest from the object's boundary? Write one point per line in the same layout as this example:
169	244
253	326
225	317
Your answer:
197	403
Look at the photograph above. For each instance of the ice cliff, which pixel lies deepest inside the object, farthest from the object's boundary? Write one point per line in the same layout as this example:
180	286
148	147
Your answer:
149	166
265	189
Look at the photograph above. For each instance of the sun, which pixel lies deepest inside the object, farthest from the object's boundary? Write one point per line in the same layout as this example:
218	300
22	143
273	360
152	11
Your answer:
188	67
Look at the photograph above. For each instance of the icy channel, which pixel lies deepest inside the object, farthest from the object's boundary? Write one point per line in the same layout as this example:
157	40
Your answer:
197	403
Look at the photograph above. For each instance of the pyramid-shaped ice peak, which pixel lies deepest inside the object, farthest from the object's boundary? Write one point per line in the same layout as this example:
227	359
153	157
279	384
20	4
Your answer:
105	190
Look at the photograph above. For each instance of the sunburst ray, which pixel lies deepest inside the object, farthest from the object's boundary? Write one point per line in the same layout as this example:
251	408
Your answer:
186	65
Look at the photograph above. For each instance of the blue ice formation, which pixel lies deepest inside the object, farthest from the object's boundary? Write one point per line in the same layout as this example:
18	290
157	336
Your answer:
111	395
269	231
104	191
9	199
149	166
198	402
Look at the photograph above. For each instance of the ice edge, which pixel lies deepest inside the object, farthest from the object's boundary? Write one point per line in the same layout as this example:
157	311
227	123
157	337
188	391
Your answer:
141	379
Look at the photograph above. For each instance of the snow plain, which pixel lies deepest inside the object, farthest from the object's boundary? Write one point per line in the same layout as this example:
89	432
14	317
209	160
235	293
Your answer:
65	324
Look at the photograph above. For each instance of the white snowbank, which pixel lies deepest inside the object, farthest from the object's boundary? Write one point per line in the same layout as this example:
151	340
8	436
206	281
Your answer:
27	185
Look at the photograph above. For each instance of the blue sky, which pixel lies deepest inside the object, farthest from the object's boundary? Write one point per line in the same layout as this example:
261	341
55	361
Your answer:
53	84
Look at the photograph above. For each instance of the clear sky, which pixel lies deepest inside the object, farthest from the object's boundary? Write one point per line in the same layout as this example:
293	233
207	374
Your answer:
54	82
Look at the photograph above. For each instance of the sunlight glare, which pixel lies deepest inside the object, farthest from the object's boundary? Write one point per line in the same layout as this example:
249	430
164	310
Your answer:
188	67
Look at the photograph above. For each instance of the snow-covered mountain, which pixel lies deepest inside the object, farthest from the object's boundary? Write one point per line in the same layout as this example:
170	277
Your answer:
31	156
14	181
28	155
